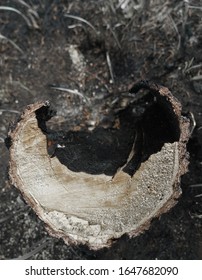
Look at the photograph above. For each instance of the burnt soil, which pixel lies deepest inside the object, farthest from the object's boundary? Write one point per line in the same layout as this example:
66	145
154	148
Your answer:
85	66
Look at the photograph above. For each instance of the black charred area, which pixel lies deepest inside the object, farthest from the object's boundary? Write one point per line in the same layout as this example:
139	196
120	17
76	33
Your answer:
169	107
44	114
102	151
162	43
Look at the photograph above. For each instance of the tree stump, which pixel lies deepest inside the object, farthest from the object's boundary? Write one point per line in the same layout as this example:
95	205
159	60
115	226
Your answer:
89	189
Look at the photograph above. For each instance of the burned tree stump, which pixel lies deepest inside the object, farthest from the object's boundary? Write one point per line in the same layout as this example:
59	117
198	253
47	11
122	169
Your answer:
92	195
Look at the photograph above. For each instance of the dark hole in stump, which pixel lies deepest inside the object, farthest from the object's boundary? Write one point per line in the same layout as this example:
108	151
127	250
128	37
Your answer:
106	150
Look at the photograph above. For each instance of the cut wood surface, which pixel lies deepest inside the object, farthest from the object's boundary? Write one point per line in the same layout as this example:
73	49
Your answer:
96	209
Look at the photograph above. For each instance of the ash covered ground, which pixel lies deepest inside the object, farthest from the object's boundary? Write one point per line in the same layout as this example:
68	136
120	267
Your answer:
83	56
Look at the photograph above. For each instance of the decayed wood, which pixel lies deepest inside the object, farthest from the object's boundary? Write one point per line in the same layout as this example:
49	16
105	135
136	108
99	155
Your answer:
91	209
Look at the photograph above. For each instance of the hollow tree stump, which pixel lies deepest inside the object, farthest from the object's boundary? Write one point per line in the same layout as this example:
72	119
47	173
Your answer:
93	195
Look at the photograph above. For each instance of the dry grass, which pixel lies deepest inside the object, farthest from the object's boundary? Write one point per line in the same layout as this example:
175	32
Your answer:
71	91
3	38
82	20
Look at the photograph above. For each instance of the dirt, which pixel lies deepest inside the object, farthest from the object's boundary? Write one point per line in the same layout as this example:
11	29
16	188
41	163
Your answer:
84	56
